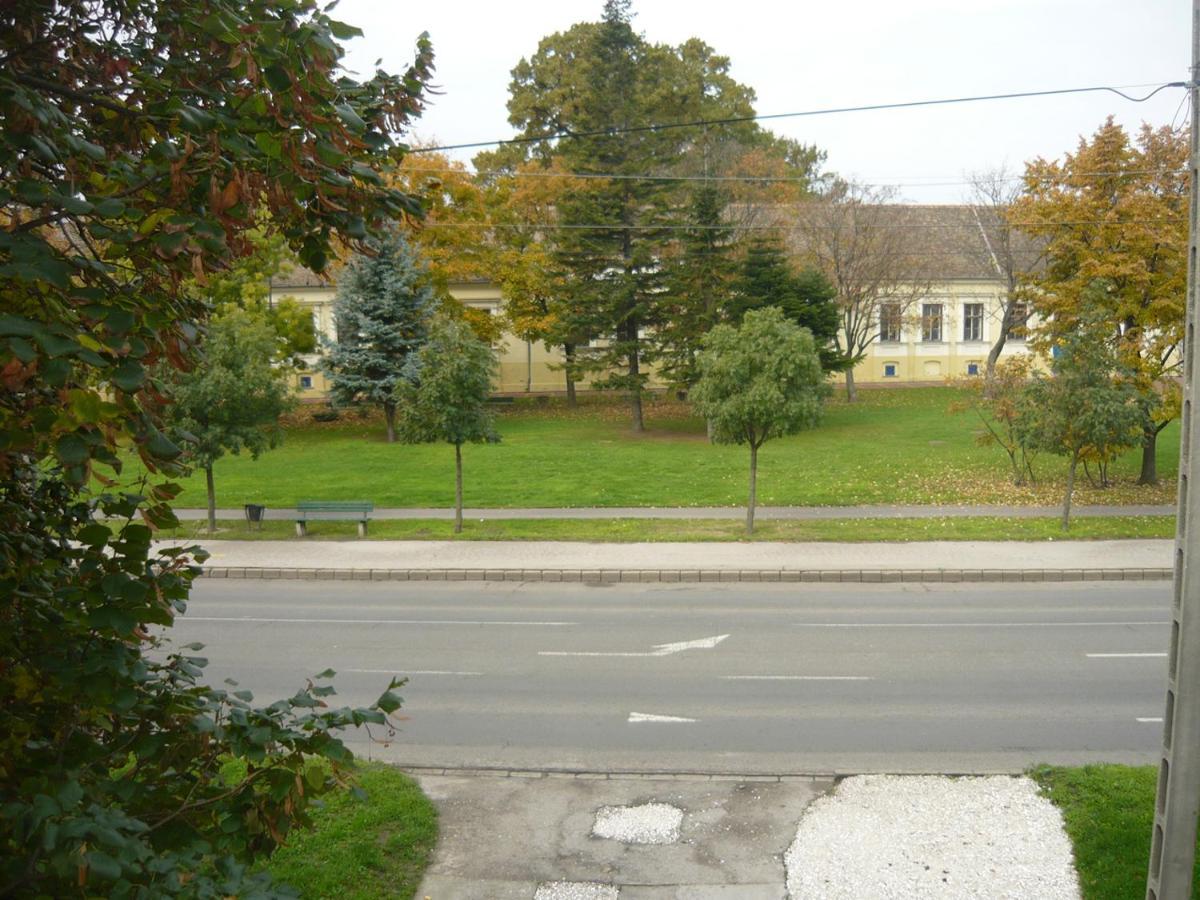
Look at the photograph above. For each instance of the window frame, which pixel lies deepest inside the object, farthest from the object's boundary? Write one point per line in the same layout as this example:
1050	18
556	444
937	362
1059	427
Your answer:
890	324
973	322
933	326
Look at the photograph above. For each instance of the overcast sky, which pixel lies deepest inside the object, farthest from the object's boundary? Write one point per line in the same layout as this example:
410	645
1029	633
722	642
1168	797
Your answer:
812	55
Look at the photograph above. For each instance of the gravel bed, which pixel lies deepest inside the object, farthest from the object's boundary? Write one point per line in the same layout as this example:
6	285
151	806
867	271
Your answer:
576	890
650	823
892	837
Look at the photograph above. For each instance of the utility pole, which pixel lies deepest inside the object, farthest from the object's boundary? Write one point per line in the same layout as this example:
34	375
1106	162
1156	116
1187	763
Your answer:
1173	844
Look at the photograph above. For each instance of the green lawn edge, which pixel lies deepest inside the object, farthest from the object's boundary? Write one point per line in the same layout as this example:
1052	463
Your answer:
1108	811
983	528
362	849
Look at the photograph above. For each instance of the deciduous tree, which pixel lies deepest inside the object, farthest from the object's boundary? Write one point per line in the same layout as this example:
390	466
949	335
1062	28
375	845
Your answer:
381	314
1116	210
446	399
758	381
1089	405
140	143
232	399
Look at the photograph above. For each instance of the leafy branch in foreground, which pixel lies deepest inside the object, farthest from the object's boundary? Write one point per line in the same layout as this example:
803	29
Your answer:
142	144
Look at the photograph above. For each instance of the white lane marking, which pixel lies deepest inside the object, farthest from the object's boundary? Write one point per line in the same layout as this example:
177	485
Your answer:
408	672
369	621
1150	719
659	649
797	677
651	717
974	624
1126	656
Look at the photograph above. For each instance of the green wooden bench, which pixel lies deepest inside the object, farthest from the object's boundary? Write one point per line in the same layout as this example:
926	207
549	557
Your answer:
333	510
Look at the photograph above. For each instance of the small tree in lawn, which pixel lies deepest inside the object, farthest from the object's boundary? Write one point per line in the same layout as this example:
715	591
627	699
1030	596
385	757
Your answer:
447	400
1089	406
232	400
996	401
381	312
759	381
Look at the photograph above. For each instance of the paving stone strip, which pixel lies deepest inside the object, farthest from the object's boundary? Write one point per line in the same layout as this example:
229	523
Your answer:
613	576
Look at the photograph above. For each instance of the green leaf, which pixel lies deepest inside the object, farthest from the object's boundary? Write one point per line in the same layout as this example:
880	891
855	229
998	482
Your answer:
72	450
348	115
94	535
162	447
342	31
129	376
277	78
388	702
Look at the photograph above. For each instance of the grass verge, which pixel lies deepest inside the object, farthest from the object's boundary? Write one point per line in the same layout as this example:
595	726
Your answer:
983	528
1108	811
362	850
893	446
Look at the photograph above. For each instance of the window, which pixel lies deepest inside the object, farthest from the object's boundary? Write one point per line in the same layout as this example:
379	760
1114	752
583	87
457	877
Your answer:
889	322
972	368
1020	316
931	322
889	370
972	321
306	382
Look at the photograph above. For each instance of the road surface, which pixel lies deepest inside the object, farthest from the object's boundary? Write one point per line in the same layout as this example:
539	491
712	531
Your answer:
739	678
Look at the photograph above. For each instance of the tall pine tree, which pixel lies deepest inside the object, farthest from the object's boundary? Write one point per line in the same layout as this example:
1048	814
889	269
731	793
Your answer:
382	312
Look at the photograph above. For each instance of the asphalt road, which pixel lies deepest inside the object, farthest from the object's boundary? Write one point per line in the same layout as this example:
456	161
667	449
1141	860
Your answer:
771	678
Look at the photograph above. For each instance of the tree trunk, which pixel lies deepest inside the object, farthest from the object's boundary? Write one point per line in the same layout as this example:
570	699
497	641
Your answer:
635	384
389	416
1149	473
212	500
753	498
994	355
851	390
711	430
1066	516
458	488
569	371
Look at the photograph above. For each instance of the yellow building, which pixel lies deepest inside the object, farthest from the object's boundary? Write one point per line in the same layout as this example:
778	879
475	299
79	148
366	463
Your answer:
944	331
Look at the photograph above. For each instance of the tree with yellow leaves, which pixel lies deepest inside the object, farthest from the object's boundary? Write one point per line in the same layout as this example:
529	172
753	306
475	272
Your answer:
1115	213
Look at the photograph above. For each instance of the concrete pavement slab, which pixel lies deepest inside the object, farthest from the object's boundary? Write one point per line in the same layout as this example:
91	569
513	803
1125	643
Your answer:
502	837
714	560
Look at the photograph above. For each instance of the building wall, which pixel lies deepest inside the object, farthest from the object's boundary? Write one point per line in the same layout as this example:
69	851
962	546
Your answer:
525	366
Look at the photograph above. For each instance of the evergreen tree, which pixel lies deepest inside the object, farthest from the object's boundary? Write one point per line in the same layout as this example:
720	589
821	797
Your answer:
699	286
381	312
766	278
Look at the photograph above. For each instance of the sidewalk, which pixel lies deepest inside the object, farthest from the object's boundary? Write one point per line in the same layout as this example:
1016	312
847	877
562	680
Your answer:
723	512
677	562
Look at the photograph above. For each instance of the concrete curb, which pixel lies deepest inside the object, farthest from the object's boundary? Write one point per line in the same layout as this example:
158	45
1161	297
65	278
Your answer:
670	576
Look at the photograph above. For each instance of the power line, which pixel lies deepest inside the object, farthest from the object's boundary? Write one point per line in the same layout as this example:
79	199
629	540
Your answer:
786	226
733	120
768	179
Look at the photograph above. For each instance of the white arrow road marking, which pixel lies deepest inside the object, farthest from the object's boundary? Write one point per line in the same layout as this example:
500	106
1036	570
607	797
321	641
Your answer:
1149	719
651	717
659	649
1127	656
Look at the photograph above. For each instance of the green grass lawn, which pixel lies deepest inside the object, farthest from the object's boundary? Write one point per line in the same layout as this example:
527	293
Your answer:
894	446
628	530
1109	811
362	849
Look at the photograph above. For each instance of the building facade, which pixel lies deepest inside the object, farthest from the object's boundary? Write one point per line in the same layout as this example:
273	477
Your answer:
945	333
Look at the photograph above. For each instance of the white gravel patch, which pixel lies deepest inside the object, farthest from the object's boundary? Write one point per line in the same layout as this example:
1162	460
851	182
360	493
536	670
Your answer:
650	823
576	890
892	837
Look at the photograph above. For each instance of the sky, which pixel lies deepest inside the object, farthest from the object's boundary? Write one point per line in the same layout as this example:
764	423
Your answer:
806	55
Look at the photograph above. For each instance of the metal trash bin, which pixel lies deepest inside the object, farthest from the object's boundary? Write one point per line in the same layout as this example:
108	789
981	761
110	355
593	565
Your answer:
254	514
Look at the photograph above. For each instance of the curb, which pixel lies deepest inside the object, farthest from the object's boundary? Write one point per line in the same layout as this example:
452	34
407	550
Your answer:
671	576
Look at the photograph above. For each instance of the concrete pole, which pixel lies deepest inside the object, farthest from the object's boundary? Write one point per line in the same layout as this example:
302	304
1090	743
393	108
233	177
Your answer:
1173	844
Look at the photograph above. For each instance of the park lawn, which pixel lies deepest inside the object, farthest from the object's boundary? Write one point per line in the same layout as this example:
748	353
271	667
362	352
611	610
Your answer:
1109	812
893	446
362	849
657	530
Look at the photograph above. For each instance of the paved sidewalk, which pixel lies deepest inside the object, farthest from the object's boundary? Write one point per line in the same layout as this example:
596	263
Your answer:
716	561
724	512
